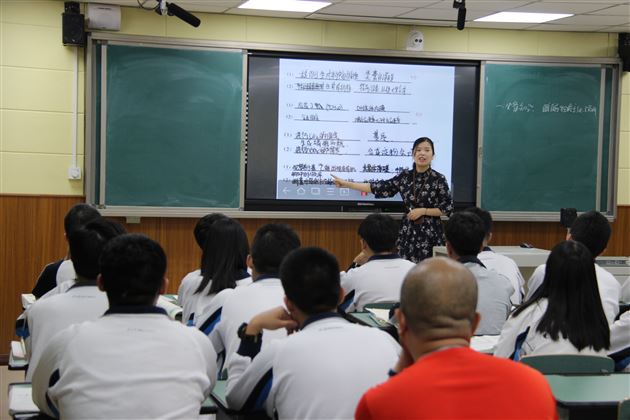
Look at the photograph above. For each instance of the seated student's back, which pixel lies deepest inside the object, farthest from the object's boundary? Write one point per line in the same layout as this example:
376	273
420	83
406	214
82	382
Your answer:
134	362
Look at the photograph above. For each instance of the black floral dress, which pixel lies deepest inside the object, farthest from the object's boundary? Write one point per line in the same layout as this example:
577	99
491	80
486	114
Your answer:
424	190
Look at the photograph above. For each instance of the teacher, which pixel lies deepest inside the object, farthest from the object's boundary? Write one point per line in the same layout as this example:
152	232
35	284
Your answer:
425	195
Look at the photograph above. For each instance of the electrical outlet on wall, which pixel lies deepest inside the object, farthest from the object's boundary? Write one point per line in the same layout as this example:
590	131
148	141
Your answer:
74	172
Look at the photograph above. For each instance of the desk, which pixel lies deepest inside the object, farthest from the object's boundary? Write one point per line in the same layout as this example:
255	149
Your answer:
590	396
218	395
527	259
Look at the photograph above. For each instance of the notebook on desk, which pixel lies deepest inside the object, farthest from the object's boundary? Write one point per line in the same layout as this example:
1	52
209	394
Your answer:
21	399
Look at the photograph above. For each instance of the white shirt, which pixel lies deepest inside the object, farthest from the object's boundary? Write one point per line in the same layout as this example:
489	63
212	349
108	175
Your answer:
126	365
320	372
493	299
620	336
524	325
194	304
507	267
45	318
609	289
624	295
66	272
378	280
241	305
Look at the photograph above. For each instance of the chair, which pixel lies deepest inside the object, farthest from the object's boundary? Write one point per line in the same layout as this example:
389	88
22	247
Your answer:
624	410
550	364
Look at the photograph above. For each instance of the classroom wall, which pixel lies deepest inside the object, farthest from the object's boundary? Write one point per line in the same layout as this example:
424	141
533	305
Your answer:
36	76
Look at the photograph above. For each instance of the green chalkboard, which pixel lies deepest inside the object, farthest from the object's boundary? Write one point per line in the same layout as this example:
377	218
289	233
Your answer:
173	127
541	134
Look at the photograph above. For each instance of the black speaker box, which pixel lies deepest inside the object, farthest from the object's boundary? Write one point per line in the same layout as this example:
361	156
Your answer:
624	50
73	29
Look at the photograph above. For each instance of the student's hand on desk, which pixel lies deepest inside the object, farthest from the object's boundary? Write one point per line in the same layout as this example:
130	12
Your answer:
273	319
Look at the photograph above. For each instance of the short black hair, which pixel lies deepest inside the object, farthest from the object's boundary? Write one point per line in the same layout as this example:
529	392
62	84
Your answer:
380	231
79	215
203	226
465	232
132	268
421	140
593	230
272	242
485	217
87	242
310	278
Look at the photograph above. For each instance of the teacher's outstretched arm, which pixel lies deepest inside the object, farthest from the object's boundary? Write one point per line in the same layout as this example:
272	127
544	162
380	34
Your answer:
359	186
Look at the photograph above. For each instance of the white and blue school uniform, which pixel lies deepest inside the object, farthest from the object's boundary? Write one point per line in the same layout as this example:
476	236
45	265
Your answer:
134	362
507	267
620	342
378	280
320	372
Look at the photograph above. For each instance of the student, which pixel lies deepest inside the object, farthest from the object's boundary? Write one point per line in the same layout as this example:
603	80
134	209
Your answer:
437	374
500	263
83	301
593	230
232	307
223	265
620	342
565	314
464	239
191	281
380	277
134	362
61	271
319	372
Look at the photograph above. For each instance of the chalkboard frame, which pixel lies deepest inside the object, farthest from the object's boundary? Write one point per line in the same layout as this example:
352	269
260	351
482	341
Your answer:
134	213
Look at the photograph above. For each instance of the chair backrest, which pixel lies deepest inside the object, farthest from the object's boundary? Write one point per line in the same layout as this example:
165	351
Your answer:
624	410
570	363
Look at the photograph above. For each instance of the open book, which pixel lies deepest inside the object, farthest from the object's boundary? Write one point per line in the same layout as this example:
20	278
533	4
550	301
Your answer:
170	305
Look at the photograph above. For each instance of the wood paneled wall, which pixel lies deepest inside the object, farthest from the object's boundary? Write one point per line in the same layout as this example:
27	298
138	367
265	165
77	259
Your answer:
31	235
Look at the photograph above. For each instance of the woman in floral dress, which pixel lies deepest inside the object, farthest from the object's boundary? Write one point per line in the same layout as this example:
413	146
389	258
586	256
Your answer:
426	198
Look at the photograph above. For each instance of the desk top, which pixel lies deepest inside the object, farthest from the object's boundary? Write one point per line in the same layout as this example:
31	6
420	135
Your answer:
576	390
218	393
524	257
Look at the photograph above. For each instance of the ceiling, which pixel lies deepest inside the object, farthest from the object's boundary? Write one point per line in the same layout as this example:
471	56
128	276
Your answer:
589	15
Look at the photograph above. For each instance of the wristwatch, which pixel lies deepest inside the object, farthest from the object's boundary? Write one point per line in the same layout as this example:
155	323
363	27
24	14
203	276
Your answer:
251	338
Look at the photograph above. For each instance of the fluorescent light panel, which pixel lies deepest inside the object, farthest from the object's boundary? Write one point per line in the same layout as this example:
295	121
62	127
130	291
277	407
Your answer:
285	5
522	17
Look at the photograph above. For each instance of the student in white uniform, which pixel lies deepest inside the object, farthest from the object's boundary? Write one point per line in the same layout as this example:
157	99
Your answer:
593	230
552	321
620	342
190	282
500	263
379	278
319	372
83	301
223	266
134	362
61	271
232	307
464	233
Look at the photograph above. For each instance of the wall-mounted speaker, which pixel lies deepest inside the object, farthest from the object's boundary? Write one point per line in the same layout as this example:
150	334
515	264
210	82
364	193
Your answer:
624	50
73	25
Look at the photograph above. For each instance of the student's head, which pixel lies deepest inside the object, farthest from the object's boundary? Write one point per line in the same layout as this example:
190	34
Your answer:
464	233
132	269
379	231
485	217
271	243
438	301
78	216
86	244
203	226
574	307
310	278
593	230
224	255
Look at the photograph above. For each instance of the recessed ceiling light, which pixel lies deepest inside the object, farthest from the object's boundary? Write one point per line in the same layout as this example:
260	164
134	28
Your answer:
285	5
521	17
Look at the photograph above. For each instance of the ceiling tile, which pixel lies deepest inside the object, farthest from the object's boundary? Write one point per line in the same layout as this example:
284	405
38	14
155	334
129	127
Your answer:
559	7
571	28
497	25
492	6
593	20
442	14
621	9
364	10
394	3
